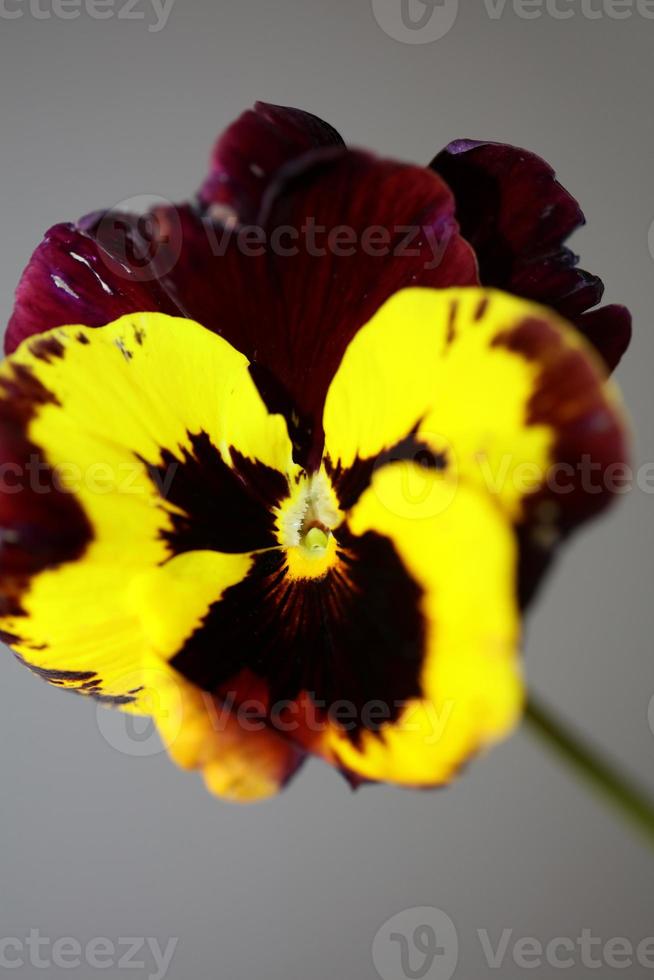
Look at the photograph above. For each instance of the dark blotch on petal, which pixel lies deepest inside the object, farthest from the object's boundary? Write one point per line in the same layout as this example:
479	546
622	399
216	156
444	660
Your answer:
350	482
228	509
41	526
356	635
47	349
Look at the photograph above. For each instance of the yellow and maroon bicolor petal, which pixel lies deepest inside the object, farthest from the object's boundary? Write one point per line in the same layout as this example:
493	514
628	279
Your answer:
448	428
517	217
503	396
130	446
457	640
130	454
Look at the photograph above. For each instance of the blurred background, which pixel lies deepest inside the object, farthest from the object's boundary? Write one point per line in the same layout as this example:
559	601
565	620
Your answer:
100	842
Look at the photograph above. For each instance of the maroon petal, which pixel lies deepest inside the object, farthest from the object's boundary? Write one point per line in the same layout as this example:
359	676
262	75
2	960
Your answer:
337	235
609	329
517	217
252	151
72	278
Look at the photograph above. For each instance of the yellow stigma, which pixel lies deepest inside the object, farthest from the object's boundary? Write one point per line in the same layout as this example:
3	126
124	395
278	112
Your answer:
315	542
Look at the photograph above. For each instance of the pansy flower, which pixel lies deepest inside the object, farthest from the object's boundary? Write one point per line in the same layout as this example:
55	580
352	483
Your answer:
283	466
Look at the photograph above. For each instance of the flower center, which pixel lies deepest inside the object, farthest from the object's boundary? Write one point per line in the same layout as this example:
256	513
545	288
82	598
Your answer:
315	541
305	522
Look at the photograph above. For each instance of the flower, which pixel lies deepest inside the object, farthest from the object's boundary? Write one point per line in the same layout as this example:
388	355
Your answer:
303	450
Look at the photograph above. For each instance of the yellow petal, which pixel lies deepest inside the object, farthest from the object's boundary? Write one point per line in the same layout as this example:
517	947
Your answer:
496	388
112	411
462	557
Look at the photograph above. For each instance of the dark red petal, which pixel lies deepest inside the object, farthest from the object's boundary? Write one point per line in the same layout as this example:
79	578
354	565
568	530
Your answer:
609	329
517	217
294	314
254	148
71	279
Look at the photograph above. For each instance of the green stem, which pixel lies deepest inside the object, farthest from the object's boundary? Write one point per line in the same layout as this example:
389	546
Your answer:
628	799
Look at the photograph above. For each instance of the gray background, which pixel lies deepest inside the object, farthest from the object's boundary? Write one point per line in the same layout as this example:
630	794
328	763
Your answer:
95	842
